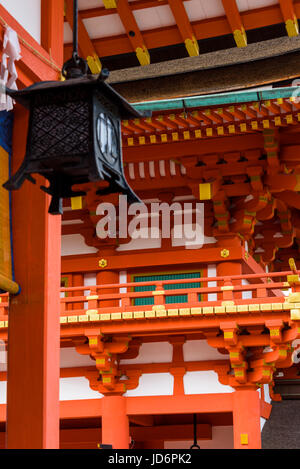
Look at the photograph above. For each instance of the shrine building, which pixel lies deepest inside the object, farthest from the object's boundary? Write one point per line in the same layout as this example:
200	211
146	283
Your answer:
175	322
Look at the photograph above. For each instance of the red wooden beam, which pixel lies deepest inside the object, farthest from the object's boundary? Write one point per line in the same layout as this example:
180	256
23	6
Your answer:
185	27
235	21
36	64
161	37
153	259
290	17
133	32
52	26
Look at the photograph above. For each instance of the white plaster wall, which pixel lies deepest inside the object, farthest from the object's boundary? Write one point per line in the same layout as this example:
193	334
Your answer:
246	295
69	358
72	389
199	350
154	384
152	352
89	279
212	272
27	13
144	242
73	244
3	385
204	382
222	438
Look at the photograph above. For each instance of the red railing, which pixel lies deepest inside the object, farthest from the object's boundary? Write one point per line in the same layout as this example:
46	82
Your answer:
227	289
80	299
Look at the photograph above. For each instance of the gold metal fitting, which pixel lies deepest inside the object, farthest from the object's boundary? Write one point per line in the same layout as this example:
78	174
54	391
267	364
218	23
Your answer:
225	253
102	263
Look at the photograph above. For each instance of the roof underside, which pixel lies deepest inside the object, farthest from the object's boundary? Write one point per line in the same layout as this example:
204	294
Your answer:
127	33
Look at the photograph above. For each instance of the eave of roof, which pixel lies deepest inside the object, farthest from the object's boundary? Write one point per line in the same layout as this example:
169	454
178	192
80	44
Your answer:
218	99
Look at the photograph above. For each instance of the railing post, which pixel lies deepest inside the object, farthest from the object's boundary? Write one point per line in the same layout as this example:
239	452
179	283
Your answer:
227	290
159	294
227	269
92	298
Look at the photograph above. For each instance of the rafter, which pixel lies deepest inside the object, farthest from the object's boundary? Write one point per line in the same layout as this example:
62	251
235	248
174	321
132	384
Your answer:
235	21
133	32
290	17
109	4
184	26
85	44
52	28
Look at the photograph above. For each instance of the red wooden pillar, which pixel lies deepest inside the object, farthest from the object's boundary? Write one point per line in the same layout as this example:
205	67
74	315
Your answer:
34	328
78	281
246	419
115	422
107	277
227	269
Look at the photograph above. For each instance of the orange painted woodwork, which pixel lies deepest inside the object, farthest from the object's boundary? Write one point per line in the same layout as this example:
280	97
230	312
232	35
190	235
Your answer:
115	422
129	22
152	259
233	15
161	37
77	281
34	340
52	28
228	269
33	66
34	324
107	277
246	419
288	10
182	19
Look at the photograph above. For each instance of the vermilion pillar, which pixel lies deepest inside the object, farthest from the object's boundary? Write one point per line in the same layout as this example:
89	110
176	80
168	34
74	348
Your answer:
246	419
115	422
107	277
34	328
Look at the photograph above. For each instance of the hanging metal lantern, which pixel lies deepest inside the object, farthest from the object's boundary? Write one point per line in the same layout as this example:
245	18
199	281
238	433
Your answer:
74	134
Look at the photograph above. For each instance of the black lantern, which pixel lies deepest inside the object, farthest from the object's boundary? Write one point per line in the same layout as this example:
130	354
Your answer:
74	134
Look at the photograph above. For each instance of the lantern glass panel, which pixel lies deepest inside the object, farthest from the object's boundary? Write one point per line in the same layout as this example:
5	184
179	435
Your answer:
108	138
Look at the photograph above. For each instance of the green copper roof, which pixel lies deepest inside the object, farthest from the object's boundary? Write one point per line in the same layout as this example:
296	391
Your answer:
218	99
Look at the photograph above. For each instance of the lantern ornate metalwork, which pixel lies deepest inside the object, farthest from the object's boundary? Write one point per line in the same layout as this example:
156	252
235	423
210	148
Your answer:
74	134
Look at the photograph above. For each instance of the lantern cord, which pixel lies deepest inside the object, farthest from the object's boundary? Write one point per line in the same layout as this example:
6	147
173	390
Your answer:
75	28
76	67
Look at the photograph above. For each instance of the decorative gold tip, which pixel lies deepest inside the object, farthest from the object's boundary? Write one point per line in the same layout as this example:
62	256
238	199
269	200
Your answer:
102	263
292	27
293	279
192	46
143	55
94	64
292	264
240	37
110	4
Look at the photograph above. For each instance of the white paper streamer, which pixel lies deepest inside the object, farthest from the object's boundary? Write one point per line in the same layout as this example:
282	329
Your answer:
9	75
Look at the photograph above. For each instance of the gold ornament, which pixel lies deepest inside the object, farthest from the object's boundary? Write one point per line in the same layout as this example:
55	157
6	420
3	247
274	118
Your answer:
224	253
